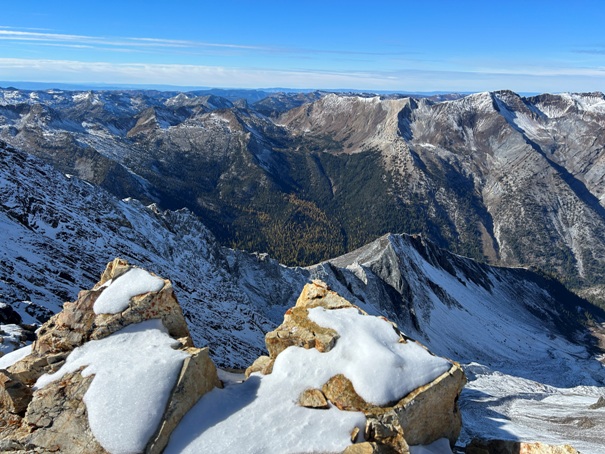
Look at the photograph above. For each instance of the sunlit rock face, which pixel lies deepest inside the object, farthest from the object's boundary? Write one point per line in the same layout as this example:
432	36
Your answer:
115	371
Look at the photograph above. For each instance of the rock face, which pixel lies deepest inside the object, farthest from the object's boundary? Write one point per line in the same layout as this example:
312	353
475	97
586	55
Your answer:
516	447
54	418
421	417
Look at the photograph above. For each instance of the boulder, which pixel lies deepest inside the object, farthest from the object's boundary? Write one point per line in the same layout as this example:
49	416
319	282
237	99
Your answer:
421	417
54	418
516	447
313	398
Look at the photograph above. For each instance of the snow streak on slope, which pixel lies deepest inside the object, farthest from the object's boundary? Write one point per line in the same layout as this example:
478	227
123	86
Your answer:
58	233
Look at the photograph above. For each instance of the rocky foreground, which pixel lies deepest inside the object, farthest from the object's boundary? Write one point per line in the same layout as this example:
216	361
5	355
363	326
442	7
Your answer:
49	402
116	371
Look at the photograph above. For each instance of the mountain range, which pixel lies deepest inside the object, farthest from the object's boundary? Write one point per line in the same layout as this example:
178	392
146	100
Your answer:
505	324
179	182
501	178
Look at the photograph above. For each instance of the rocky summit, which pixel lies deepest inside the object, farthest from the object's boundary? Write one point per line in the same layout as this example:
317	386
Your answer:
421	417
50	393
56	415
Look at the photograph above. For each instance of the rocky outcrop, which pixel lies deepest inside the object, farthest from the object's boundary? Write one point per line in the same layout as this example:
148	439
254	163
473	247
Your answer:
516	447
54	417
421	417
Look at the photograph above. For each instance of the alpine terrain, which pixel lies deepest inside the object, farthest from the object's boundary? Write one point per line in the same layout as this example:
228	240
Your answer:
501	178
520	335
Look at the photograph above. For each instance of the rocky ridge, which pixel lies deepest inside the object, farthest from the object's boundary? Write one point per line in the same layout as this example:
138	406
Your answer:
43	414
479	175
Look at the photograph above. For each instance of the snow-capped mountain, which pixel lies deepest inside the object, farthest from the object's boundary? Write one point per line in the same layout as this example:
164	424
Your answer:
510	325
502	178
58	233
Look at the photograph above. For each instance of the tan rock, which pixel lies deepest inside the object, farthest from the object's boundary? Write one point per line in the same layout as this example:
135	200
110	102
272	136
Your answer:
57	418
14	394
340	391
262	364
516	447
371	448
385	429
198	376
318	294
298	330
313	398
431	411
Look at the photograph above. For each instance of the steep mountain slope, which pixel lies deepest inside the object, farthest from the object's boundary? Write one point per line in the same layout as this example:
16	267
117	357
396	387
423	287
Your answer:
494	176
521	334
58	232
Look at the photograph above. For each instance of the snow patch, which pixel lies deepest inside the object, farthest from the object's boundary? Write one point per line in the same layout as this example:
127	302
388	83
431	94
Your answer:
17	355
134	370
116	297
368	344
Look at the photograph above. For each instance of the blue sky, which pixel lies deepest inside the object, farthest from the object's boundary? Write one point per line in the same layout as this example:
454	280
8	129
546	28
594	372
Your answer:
526	46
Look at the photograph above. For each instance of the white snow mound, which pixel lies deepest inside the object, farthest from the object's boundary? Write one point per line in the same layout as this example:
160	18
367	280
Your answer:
261	415
135	370
117	294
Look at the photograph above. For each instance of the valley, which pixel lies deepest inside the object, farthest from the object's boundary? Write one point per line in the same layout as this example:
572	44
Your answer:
456	219
503	179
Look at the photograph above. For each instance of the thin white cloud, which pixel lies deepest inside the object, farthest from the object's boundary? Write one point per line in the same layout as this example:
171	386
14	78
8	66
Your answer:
143	73
65	71
59	38
29	36
545	72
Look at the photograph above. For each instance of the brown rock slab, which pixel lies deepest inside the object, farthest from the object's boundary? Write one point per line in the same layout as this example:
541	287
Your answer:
431	411
198	376
340	391
14	394
516	447
313	398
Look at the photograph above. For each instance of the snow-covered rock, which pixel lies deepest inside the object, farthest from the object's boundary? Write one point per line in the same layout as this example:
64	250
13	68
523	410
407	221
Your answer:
332	354
116	380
